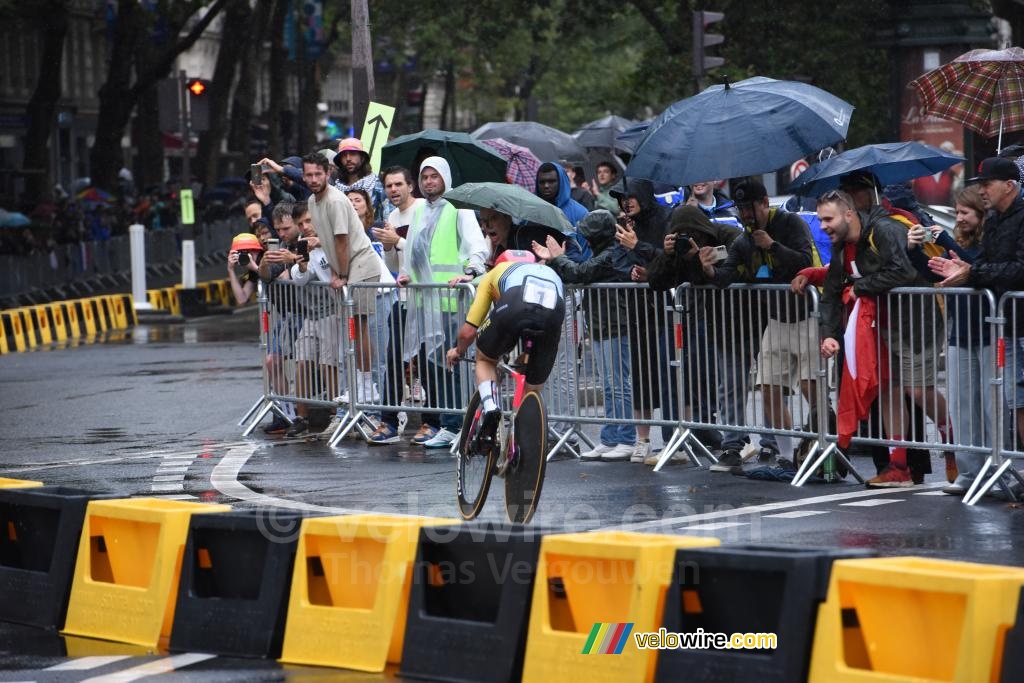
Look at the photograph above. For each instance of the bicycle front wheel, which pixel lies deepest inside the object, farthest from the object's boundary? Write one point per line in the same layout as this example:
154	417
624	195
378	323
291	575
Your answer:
525	475
473	473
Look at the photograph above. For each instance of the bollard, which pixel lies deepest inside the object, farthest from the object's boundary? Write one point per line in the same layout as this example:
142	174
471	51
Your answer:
138	247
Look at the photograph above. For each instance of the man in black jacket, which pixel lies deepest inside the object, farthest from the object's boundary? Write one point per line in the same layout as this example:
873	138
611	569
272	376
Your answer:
1000	267
774	247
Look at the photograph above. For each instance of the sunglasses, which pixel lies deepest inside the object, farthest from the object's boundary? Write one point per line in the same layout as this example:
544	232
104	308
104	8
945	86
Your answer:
836	197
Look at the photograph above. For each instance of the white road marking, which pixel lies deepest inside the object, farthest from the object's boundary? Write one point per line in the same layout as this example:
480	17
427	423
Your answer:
167	487
173	468
189	454
796	514
872	503
714	526
182	496
757	509
169	477
160	666
932	493
86	663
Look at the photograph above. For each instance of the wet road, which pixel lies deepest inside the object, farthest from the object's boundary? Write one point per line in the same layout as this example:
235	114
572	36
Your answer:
156	412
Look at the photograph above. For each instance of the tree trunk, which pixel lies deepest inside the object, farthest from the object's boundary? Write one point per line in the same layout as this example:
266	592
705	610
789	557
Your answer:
278	65
309	96
150	166
242	115
43	105
228	55
362	64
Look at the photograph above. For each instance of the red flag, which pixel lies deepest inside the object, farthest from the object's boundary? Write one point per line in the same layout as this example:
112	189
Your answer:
862	368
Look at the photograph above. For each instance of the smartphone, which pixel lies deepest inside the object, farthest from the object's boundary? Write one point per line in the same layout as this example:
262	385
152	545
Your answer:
721	253
403	231
273	244
928	236
256	173
302	249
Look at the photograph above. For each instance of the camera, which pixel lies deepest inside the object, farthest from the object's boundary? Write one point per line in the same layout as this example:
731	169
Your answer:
243	259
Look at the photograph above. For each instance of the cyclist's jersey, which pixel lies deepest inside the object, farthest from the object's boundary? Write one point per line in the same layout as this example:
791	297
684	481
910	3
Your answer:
538	282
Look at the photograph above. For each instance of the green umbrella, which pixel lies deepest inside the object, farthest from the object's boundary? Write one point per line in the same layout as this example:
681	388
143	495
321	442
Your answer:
509	199
470	161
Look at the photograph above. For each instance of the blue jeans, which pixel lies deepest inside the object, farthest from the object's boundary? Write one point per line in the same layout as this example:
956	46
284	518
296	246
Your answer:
969	373
734	372
613	355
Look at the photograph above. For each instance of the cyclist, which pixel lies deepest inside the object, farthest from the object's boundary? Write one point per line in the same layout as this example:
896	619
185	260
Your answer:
528	301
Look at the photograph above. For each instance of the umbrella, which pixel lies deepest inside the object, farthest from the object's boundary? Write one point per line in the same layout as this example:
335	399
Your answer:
891	162
13	219
95	195
509	199
603	132
982	90
469	160
754	126
549	144
522	163
629	138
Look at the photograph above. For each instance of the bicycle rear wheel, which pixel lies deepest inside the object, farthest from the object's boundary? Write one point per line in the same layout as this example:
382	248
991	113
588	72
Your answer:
525	475
473	472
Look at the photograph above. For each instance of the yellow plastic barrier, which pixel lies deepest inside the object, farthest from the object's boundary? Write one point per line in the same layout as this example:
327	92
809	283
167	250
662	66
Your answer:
101	313
598	578
5	346
913	619
131	317
14	330
73	320
18	483
155	299
173	303
126	573
28	327
350	590
60	324
87	315
44	331
119	317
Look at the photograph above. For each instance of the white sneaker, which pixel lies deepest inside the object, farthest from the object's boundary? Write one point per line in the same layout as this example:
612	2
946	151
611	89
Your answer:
443	439
678	458
624	451
403	419
332	427
640	451
416	393
596	452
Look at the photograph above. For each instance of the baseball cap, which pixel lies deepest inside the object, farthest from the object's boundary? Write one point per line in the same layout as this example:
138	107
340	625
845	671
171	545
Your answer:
996	168
293	161
749	191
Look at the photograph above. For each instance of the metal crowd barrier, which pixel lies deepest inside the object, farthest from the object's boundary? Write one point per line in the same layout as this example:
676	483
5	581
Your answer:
743	361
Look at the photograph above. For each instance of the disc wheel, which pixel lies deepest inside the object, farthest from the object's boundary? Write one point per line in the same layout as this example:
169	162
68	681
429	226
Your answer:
525	475
473	471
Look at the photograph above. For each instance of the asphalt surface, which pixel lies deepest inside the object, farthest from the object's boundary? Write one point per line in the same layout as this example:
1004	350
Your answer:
155	412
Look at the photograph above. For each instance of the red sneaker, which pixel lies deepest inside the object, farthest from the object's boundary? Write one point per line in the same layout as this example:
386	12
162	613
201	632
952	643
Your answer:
891	477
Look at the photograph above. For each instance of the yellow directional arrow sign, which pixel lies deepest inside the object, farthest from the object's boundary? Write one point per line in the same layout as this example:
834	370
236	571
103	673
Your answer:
376	130
188	214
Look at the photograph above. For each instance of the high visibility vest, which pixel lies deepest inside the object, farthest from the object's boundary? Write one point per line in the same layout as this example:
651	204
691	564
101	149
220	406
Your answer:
445	263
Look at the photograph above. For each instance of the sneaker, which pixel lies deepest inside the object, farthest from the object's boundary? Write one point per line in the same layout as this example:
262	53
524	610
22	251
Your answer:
484	439
954	490
384	435
768	457
892	476
641	450
403	419
298	428
425	434
278	426
678	458
951	470
596	452
730	461
442	439
624	451
416	392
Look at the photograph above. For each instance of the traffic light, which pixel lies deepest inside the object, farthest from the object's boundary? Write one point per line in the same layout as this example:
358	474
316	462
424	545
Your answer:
199	103
197	87
702	63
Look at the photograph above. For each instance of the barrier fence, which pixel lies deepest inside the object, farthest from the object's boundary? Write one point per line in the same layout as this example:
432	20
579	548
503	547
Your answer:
710	369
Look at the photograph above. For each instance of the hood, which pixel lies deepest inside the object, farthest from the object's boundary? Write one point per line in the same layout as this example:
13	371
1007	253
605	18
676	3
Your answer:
598	227
640	188
564	186
690	219
439	164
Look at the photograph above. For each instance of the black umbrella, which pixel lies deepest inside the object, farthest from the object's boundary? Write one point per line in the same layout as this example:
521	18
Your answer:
549	144
603	132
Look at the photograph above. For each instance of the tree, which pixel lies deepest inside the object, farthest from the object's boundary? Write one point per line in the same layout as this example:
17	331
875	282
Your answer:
128	78
51	16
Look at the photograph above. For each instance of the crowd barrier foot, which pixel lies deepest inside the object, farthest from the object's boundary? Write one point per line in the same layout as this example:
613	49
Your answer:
235	577
268	405
687	441
252	411
126	574
561	441
816	458
469	608
746	589
6	483
911	619
356	421
592	591
40	527
1004	471
350	590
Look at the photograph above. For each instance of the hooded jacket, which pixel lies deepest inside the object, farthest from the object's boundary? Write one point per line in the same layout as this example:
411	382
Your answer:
606	309
723	208
668	271
573	210
651	224
1000	266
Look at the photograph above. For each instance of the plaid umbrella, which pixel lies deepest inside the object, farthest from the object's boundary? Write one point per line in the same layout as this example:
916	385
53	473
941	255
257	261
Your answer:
522	163
982	90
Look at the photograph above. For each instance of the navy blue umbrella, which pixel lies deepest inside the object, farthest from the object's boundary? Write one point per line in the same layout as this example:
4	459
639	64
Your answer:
602	133
891	162
629	138
754	126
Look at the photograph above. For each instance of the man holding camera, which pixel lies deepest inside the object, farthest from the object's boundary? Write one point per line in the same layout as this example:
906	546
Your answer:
774	246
